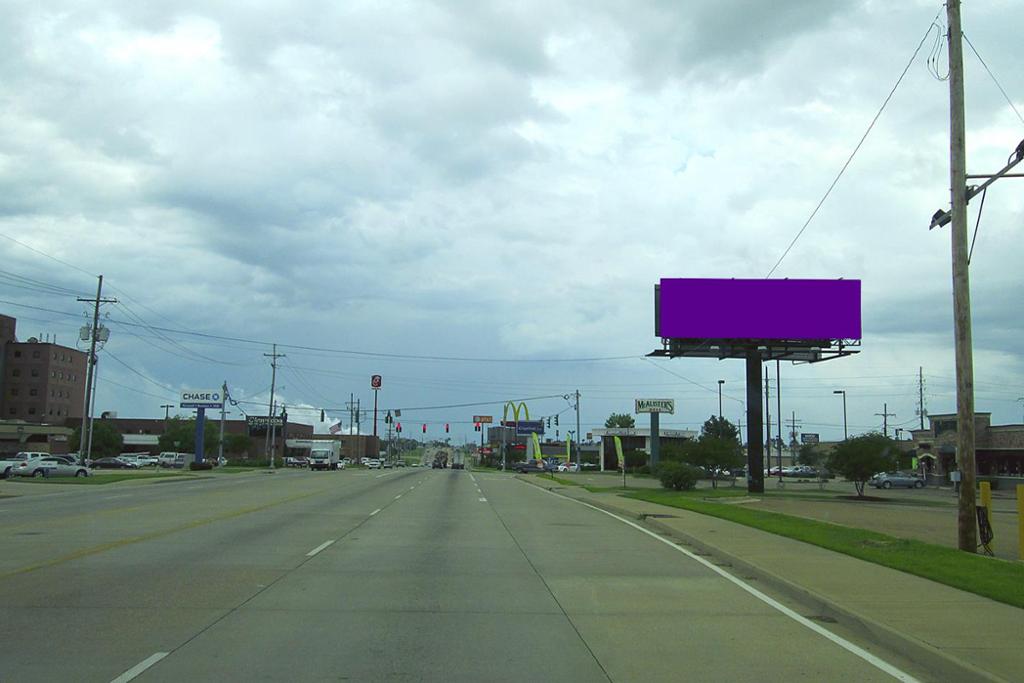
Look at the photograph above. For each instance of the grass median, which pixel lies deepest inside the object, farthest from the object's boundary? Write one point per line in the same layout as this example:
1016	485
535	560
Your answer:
1000	580
97	479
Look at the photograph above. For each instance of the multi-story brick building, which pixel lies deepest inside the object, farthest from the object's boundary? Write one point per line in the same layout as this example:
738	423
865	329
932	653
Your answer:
40	381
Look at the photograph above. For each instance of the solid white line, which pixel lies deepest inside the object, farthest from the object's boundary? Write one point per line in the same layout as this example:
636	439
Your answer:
140	667
375	512
483	500
472	477
317	549
380	475
871	659
125	495
398	496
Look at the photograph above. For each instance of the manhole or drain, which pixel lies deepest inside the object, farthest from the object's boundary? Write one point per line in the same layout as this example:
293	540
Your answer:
723	564
822	618
658	516
29	533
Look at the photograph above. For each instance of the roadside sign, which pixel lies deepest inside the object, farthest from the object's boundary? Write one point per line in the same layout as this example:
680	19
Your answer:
656	405
486	419
376	381
524	427
808	437
201	398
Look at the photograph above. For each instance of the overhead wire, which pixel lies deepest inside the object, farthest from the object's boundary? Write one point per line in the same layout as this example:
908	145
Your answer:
856	149
993	77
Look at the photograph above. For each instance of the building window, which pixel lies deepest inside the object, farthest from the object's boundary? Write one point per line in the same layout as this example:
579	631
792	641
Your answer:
53	374
35	354
33	392
17	354
35	372
32	410
62	374
13	411
55	355
14	391
16	372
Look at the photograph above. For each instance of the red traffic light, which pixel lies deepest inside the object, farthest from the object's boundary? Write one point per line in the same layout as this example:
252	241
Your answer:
446	427
424	429
399	427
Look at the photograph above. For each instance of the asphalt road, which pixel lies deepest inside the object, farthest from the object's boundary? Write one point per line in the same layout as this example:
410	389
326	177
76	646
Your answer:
361	575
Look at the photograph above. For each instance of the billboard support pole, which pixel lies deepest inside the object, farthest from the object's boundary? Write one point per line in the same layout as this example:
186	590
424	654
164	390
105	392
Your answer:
655	440
755	445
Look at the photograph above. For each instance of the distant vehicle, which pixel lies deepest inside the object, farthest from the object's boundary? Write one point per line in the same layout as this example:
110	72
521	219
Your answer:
440	460
364	460
325	455
888	480
50	466
399	463
166	459
113	464
589	466
458	460
373	464
346	461
386	464
9	462
145	460
296	461
528	466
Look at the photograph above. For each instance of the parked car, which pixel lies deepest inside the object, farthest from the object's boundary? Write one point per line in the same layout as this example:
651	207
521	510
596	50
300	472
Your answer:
50	466
887	480
296	461
527	466
113	464
386	464
372	464
166	459
399	463
9	462
145	460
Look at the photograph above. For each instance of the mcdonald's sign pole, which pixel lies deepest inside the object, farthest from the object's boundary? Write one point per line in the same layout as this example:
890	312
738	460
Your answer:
375	384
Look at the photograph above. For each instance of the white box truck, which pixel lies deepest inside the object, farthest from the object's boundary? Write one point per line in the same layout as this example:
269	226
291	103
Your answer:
324	455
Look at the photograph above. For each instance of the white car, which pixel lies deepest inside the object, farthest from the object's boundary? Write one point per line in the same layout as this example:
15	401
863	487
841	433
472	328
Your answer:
50	466
373	464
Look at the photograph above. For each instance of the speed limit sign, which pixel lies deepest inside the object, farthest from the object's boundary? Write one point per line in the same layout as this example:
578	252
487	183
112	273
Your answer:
375	381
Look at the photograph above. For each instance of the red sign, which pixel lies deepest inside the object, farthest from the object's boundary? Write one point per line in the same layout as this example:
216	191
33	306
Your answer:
486	450
375	381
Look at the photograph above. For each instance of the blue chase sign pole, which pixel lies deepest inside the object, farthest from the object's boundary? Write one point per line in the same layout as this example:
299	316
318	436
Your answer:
201	400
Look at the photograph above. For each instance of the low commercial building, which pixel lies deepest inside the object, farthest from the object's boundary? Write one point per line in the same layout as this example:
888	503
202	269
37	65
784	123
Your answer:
999	449
637	439
18	435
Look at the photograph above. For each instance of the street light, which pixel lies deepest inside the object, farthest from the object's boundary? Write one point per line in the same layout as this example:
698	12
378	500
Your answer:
720	383
843	392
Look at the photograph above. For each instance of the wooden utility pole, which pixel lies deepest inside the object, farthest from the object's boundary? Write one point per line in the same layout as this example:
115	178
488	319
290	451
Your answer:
967	535
885	415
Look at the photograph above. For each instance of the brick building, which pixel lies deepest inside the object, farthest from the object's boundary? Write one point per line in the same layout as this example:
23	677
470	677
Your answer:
40	381
999	449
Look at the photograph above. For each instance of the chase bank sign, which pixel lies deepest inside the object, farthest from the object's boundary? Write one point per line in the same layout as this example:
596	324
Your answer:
202	398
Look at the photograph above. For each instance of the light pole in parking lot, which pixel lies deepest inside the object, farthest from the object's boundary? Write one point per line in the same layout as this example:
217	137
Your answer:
843	392
720	383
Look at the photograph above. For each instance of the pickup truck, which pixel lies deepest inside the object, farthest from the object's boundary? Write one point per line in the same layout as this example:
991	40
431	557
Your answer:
9	462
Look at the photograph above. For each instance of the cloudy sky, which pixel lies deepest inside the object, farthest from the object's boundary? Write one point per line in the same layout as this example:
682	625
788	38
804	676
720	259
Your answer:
475	199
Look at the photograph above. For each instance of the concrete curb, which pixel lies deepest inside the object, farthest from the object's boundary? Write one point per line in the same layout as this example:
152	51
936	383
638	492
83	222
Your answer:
936	662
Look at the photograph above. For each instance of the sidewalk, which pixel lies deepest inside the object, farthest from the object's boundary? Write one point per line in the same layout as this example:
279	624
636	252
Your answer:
956	635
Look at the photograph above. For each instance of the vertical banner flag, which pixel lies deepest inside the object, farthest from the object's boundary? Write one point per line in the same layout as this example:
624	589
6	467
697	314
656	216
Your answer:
618	452
536	448
568	449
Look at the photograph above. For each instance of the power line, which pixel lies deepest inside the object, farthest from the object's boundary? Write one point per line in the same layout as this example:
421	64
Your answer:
49	256
855	149
994	79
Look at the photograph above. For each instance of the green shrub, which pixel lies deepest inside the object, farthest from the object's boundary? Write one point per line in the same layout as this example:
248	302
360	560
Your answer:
679	476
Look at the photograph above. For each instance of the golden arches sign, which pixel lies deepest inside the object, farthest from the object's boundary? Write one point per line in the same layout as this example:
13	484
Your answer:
515	411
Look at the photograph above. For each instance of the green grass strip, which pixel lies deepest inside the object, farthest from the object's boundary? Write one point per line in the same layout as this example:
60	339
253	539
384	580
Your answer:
96	479
993	578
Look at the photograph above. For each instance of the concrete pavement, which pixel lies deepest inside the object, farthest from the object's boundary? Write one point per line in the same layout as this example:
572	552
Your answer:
957	635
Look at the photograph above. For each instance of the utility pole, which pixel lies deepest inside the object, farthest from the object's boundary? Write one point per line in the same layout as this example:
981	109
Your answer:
885	415
85	451
778	405
967	534
920	394
578	427
793	424
720	383
167	411
220	443
274	355
768	418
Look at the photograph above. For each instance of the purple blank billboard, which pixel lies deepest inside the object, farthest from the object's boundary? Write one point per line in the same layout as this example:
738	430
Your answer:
691	308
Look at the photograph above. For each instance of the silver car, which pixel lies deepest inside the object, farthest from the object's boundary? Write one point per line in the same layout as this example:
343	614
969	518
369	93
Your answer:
50	466
887	480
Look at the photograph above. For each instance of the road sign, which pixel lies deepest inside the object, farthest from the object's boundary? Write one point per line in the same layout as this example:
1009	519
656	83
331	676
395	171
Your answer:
656	405
808	437
524	427
202	398
375	381
486	419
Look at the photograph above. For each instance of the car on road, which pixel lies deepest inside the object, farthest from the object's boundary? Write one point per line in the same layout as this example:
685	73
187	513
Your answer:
387	464
50	466
296	461
528	466
888	480
399	463
113	464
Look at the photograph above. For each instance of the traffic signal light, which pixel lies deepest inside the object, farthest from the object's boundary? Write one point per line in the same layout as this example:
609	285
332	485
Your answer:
399	427
424	429
445	427
549	423
476	426
556	420
321	415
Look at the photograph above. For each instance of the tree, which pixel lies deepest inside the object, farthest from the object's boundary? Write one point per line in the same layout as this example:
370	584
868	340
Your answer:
715	453
106	440
721	428
180	435
620	420
809	454
859	458
236	444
